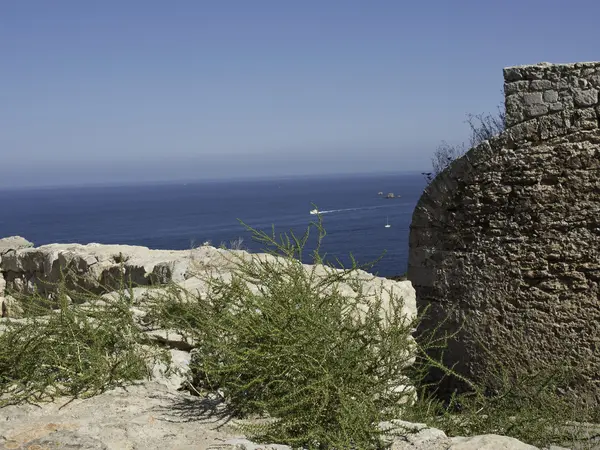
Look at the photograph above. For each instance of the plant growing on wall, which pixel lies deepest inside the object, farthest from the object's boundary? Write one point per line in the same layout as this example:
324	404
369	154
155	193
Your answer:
483	127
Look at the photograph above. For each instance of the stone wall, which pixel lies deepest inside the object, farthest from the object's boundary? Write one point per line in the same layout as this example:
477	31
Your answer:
505	243
545	100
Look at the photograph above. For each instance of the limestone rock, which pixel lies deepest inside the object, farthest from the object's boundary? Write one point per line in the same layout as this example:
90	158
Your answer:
9	307
171	339
10	244
13	243
245	444
489	442
99	268
141	295
65	440
95	267
175	374
147	416
416	436
153	416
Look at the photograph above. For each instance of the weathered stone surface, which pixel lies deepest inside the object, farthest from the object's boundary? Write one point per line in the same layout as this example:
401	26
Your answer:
507	248
64	440
416	436
489	442
99	268
13	243
171	339
9	307
585	97
154	416
148	416
10	244
245	444
95	267
533	91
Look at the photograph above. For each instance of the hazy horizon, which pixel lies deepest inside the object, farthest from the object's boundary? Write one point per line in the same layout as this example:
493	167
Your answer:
169	181
137	92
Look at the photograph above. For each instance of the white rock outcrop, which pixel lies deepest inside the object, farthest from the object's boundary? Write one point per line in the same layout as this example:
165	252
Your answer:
8	245
100	268
13	243
97	267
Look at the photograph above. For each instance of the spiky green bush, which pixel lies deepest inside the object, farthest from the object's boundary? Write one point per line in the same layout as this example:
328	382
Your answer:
534	406
283	341
62	349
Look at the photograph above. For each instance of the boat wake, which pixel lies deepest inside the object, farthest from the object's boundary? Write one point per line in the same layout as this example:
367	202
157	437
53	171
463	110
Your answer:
329	211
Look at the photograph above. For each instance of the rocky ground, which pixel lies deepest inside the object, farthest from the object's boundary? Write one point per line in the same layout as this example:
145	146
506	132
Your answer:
154	414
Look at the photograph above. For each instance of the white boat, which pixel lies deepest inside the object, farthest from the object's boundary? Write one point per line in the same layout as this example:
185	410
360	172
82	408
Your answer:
314	211
387	223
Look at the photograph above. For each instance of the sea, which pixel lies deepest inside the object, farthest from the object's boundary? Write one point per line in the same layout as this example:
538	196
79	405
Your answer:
183	215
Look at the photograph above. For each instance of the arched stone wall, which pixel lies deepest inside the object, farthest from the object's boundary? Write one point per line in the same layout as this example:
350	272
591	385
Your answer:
505	243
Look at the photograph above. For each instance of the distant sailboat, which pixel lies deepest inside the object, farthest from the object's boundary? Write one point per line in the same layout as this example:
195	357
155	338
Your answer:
387	223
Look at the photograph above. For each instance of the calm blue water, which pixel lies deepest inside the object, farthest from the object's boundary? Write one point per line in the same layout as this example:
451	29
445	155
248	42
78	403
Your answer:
178	216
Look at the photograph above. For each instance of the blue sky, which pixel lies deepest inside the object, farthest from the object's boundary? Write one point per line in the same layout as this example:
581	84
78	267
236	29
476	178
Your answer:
130	90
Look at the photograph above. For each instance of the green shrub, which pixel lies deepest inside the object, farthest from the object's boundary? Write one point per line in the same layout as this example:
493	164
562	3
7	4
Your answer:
282	341
62	349
534	406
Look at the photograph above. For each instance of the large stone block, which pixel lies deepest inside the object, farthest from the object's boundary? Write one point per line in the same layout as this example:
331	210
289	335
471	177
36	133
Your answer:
12	243
93	266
